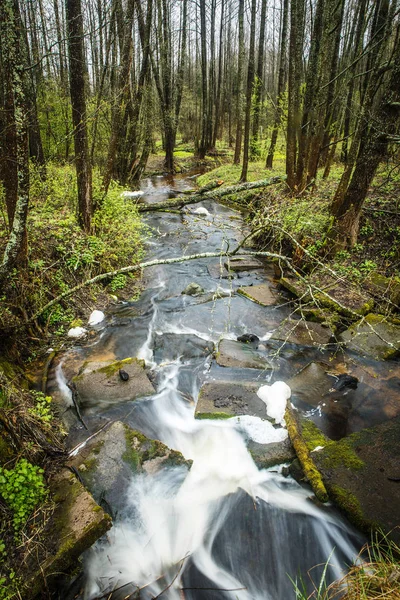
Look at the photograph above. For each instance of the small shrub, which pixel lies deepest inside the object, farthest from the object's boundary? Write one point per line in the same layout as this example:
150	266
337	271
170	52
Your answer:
22	488
42	409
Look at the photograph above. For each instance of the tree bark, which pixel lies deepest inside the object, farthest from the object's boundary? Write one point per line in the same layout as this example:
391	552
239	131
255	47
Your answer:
78	101
249	92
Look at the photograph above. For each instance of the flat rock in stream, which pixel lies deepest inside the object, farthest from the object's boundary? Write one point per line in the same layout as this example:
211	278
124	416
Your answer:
262	294
362	474
99	383
236	354
238	264
373	336
106	464
223	399
76	523
304	333
170	346
218	271
269	455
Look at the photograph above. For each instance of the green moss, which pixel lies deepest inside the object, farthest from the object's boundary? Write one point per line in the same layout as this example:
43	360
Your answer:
349	504
213	415
303	454
335	454
114	367
6	451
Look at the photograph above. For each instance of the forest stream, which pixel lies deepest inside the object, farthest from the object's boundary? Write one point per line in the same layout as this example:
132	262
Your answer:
219	527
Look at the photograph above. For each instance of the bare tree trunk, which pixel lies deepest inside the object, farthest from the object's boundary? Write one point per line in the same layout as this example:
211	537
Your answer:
78	101
249	92
255	150
281	84
239	97
295	70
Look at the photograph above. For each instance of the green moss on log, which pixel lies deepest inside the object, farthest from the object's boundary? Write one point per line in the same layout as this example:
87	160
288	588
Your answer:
213	415
303	454
335	454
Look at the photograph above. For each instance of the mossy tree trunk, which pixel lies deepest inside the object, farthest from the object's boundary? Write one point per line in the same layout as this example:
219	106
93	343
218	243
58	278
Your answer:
16	149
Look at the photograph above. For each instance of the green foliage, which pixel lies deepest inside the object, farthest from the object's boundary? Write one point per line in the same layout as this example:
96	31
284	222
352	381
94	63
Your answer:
42	409
9	585
118	282
22	488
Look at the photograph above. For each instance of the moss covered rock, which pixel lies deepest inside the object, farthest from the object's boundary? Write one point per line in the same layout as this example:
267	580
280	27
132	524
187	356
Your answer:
76	523
375	336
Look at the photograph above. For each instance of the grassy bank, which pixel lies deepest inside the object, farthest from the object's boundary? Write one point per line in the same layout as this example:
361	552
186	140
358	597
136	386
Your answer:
61	255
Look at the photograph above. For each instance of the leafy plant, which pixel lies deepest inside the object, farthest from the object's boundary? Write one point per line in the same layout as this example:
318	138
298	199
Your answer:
42	409
22	488
118	282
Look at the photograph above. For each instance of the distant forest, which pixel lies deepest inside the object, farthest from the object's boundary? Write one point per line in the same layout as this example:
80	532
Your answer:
99	82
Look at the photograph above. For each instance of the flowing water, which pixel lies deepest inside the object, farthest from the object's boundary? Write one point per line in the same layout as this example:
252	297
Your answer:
222	529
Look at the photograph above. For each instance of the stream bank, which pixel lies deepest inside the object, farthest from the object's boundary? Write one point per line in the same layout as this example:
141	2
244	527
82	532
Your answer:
192	355
173	337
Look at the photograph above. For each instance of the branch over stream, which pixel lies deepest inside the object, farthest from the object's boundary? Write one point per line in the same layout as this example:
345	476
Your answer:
210	194
145	265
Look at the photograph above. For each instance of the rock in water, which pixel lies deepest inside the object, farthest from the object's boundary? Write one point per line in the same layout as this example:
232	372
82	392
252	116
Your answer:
123	375
96	317
345	381
275	397
192	289
248	338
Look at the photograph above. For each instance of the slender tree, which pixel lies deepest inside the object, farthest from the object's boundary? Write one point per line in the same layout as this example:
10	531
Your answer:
78	101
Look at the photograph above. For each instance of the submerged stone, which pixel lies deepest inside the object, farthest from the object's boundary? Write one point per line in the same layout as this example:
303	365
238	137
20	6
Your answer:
192	289
373	336
99	383
304	333
235	354
170	346
218	271
262	294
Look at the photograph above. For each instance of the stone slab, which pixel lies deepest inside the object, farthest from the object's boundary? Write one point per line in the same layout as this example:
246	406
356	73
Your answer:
269	455
230	399
76	523
219	271
262	294
236	354
303	333
170	346
362	475
373	336
99	383
108	461
238	264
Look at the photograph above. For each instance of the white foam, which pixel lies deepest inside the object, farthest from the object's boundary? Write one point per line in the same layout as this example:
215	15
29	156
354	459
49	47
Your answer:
96	317
77	332
259	430
275	397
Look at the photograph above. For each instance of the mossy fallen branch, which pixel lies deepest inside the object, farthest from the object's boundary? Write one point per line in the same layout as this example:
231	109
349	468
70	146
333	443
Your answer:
145	265
210	194
303	454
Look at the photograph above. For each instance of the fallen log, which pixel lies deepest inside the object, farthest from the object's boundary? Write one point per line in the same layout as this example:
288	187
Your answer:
208	193
310	470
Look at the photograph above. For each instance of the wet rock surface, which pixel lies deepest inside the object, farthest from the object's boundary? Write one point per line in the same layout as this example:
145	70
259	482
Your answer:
100	382
373	336
238	264
236	354
170	346
262	293
108	462
362	475
76	523
230	399
269	455
304	333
